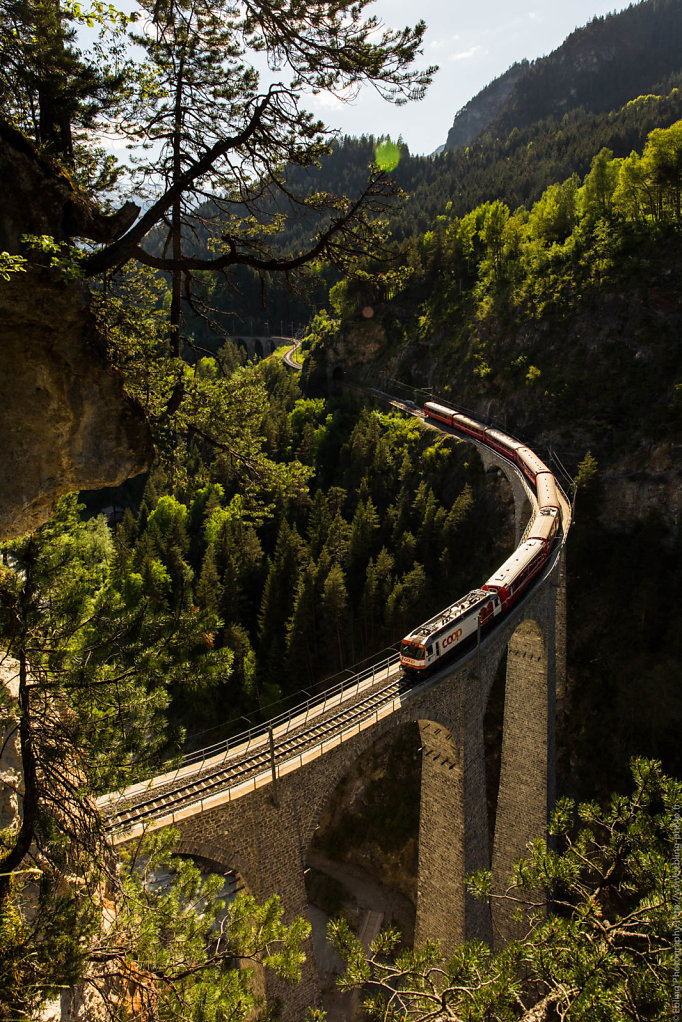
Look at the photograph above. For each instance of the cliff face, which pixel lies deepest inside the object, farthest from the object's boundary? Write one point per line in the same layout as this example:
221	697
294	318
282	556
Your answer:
475	117
604	377
356	349
65	422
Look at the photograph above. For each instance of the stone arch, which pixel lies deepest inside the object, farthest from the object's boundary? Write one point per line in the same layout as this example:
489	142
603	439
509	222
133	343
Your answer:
336	768
526	787
243	343
375	908
370	882
453	825
203	853
211	858
258	347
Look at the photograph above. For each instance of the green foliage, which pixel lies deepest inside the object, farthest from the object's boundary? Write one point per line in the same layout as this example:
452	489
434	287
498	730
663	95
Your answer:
587	471
10	264
65	260
154	939
599	913
109	642
100	651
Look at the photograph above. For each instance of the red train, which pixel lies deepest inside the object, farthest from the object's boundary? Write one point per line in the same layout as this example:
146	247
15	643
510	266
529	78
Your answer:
451	628
527	461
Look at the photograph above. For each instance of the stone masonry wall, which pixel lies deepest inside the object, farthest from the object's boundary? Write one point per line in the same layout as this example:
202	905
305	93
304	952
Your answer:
526	789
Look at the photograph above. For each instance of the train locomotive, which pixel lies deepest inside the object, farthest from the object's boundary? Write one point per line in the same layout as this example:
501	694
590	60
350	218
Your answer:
459	625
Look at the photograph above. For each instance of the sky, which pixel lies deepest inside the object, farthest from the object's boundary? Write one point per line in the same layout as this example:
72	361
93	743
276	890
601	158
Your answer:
473	42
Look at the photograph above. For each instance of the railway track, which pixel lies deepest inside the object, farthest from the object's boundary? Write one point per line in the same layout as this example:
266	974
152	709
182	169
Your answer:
244	767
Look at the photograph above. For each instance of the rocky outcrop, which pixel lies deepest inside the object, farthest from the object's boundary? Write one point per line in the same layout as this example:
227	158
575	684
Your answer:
11	771
475	117
39	198
65	422
650	483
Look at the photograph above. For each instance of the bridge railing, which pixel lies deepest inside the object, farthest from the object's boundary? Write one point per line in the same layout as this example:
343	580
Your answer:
300	713
278	726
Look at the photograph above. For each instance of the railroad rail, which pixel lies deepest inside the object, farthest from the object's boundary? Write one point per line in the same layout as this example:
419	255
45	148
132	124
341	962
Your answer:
242	766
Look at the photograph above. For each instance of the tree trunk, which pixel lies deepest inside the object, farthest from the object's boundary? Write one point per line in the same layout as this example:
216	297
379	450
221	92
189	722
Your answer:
176	223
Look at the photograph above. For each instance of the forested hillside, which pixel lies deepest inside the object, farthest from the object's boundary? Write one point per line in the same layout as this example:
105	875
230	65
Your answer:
609	84
599	67
515	169
562	320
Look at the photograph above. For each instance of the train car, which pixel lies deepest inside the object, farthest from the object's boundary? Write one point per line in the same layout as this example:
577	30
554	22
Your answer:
545	526
548	495
448	630
432	410
518	571
502	443
464	424
529	463
451	417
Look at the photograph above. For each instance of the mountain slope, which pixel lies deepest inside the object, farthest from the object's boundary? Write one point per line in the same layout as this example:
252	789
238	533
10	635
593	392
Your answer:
477	114
598	67
563	323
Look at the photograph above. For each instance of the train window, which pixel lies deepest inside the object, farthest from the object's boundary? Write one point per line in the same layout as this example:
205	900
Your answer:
429	650
413	651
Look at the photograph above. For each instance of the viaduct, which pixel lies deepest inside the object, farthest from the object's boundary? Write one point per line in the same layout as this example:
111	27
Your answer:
252	806
257	346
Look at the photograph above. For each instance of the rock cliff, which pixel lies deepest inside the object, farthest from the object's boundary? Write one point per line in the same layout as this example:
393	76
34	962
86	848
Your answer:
65	422
475	117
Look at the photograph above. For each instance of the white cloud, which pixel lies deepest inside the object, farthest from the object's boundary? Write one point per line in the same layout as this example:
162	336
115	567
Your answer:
330	101
473	51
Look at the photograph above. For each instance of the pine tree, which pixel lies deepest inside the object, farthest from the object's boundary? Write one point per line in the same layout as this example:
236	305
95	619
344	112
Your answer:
209	590
276	604
361	545
47	85
333	611
303	630
600	917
